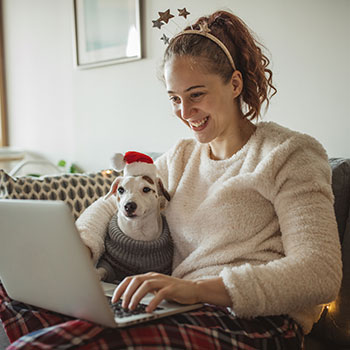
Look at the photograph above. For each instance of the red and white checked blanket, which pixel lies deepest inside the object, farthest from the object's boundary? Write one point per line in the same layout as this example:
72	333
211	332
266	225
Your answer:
210	327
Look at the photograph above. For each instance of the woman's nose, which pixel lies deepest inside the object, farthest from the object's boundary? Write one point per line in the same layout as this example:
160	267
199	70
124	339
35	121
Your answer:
186	110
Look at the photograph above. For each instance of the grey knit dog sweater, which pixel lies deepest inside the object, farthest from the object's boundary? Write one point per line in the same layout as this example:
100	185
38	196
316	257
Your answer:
125	256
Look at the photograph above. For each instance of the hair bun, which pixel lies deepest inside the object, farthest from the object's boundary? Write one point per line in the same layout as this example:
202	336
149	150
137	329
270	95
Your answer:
219	21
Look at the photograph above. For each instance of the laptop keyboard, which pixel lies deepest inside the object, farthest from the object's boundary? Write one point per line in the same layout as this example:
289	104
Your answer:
119	311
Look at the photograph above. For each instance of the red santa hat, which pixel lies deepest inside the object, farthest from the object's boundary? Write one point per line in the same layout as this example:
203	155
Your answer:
134	164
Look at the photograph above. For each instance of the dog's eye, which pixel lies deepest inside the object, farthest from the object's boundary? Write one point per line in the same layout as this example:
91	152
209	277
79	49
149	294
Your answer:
121	190
146	189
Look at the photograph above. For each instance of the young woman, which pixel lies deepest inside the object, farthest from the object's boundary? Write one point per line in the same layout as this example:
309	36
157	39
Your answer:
251	213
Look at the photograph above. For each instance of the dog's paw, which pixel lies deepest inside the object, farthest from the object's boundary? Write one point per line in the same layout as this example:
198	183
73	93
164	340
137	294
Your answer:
102	273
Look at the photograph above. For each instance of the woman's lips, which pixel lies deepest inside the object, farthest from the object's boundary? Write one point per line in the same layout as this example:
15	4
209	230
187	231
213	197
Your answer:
199	125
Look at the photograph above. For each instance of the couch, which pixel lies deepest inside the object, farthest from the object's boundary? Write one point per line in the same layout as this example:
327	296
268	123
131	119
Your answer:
331	332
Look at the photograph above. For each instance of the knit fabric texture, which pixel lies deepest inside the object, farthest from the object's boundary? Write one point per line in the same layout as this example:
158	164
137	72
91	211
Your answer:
125	256
263	220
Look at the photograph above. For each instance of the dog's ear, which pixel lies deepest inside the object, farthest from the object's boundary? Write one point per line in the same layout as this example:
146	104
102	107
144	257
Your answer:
162	190
114	188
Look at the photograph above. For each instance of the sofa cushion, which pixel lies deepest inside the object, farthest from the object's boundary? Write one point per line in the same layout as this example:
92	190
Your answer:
78	190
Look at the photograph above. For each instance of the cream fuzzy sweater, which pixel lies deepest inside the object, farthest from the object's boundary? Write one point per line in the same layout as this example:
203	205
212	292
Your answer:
263	220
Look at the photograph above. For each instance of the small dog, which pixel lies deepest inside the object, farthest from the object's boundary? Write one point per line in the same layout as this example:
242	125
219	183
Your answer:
138	239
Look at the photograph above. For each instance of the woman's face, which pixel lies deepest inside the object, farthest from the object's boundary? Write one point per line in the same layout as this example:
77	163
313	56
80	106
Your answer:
201	99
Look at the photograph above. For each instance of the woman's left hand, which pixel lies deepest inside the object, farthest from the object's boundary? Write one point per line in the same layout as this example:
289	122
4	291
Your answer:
134	288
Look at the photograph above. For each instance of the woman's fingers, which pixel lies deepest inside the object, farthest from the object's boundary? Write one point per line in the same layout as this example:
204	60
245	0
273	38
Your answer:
157	299
140	286
134	288
149	286
118	292
128	287
134	292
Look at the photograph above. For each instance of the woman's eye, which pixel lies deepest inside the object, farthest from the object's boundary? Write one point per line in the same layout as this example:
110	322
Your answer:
197	95
146	189
174	99
121	190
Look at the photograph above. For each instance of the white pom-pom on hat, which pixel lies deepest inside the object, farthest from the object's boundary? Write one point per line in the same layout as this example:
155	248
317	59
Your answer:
134	164
118	162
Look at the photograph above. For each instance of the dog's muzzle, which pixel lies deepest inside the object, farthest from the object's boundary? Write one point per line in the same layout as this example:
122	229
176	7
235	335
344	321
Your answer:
130	209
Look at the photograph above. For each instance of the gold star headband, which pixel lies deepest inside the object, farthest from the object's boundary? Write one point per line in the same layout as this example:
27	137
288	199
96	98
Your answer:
203	30
164	18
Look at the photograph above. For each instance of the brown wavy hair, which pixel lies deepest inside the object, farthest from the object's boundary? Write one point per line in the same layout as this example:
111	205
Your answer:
245	50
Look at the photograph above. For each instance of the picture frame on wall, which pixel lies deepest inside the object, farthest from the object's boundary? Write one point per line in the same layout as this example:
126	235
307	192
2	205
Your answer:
106	32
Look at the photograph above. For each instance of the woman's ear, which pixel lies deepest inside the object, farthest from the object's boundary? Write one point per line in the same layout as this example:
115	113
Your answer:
237	83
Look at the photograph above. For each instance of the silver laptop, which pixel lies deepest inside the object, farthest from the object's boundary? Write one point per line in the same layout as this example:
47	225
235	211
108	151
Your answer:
43	262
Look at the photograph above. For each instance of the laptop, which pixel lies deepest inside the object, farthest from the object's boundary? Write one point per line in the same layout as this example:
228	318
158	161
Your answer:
43	262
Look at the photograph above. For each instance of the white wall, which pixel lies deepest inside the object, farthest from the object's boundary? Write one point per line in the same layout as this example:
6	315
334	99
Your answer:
84	116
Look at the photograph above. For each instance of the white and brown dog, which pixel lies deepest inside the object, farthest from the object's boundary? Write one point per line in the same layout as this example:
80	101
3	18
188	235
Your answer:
138	239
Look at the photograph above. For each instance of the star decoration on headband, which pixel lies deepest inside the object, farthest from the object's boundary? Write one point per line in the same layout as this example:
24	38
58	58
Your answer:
165	16
165	39
202	28
157	24
183	12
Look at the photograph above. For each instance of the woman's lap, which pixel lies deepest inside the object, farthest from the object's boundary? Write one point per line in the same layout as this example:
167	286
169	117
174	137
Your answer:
207	328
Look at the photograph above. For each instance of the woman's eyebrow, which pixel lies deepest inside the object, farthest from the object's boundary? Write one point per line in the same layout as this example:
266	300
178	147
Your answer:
189	89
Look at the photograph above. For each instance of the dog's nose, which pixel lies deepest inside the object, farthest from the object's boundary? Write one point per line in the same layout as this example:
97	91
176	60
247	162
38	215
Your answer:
130	207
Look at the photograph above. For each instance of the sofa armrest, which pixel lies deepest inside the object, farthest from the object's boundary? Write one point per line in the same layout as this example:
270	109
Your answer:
334	324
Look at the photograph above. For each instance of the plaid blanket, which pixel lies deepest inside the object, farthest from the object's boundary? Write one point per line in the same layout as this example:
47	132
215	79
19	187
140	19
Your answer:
210	327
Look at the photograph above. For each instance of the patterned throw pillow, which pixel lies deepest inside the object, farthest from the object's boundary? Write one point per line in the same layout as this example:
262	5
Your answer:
78	190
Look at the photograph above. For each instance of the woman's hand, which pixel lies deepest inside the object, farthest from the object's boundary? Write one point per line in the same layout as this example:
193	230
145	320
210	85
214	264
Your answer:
134	288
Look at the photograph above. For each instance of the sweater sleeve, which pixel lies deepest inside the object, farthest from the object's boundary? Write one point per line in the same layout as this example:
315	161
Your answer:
93	224
310	272
162	168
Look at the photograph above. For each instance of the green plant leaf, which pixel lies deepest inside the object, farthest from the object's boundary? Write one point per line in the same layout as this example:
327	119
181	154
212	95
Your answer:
73	169
62	163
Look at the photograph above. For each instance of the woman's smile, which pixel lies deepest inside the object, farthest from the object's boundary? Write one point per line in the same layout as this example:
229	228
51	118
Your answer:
200	124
